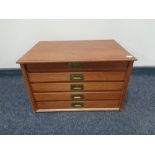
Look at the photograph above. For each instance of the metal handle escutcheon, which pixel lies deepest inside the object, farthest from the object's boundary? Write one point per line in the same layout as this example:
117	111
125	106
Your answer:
76	65
76	77
77	96
77	87
77	104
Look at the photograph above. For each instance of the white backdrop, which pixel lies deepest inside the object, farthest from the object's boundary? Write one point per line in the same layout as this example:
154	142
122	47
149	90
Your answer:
18	36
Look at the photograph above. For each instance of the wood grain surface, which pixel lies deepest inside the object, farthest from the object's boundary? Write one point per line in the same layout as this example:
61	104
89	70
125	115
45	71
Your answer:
86	104
86	86
86	76
90	75
63	96
66	51
85	66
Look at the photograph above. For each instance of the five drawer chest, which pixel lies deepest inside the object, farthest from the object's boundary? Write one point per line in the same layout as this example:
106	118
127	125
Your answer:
86	75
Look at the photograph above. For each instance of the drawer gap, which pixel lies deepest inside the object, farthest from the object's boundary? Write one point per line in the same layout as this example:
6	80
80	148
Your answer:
76	91
74	100
77	81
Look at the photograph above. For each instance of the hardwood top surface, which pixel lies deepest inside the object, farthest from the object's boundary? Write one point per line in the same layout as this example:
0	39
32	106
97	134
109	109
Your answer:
76	51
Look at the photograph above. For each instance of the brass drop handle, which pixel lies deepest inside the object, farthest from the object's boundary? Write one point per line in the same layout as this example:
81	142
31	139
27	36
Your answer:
77	87
76	77
77	96
77	104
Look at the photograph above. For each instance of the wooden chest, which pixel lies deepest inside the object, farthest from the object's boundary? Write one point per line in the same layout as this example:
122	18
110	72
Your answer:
77	75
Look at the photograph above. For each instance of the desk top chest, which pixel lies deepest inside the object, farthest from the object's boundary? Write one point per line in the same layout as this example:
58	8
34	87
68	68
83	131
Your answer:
77	75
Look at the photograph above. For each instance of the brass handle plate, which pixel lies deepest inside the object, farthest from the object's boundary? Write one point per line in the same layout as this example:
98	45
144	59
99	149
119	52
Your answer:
76	65
77	96
77	87
77	104
76	77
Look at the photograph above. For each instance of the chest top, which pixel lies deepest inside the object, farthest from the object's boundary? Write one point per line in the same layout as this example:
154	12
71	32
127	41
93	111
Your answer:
76	51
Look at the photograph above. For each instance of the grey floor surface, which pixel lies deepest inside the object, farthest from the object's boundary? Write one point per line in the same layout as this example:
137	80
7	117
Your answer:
138	117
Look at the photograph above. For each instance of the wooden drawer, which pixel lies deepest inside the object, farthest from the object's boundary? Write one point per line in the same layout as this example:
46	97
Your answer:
77	76
77	96
77	66
78	104
78	86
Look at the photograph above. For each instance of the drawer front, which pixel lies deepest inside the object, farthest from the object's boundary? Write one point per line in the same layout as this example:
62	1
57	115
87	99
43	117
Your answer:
86	86
76	96
78	104
78	66
77	76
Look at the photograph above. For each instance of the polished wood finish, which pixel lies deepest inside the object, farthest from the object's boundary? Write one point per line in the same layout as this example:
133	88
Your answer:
85	66
127	76
77	75
87	86
87	76
67	96
29	89
75	51
86	104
